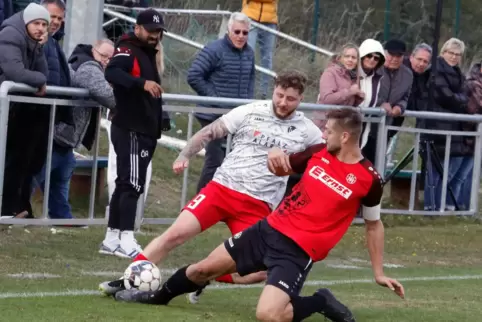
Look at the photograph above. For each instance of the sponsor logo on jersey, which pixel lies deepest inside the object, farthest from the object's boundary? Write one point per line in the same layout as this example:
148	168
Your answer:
268	141
325	160
320	174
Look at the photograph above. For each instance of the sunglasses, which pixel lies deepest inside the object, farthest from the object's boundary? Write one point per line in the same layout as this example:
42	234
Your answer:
237	32
375	57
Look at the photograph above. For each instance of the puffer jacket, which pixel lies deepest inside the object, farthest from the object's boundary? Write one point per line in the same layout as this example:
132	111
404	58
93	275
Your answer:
264	11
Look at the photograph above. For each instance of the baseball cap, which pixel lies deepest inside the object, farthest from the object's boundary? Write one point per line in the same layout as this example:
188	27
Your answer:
395	47
151	20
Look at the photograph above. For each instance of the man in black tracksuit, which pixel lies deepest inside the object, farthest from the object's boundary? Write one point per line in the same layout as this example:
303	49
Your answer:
136	126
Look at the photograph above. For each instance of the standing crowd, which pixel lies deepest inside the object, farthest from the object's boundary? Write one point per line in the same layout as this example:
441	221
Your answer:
370	75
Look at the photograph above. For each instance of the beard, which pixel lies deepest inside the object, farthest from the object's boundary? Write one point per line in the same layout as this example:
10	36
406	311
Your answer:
333	149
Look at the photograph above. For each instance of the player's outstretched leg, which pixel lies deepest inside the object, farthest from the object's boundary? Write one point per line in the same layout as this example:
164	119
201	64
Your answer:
185	280
183	229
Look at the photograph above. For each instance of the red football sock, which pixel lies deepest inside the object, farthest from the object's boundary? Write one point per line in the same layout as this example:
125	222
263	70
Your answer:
225	279
140	257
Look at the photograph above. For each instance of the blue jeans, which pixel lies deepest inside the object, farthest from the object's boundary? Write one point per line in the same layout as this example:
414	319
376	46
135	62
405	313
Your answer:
464	197
63	164
266	42
458	174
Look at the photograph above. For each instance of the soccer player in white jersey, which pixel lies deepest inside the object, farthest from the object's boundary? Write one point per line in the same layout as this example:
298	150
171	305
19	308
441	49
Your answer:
243	190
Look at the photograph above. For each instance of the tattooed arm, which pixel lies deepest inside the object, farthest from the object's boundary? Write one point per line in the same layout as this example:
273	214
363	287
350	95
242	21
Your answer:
215	130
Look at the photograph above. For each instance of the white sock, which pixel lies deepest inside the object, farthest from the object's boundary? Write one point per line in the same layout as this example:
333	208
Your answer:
112	237
127	239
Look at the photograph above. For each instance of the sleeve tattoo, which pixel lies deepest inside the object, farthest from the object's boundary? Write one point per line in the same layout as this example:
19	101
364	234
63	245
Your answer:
215	130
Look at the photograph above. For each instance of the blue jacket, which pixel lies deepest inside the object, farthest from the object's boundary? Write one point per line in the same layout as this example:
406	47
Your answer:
222	70
6	10
59	73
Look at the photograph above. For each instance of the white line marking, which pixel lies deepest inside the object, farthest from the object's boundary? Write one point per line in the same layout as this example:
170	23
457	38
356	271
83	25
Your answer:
224	286
33	275
164	271
343	266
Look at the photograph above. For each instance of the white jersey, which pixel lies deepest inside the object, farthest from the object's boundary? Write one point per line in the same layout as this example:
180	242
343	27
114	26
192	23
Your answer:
255	130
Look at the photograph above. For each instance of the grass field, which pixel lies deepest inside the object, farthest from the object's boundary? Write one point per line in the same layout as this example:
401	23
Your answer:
439	264
51	277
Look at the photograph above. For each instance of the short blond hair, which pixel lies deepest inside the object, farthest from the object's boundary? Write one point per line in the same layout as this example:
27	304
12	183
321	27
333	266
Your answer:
454	43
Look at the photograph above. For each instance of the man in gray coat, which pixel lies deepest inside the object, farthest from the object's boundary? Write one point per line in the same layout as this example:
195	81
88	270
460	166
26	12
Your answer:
22	60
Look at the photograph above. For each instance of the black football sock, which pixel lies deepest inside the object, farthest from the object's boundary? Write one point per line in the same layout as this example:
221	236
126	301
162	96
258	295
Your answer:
176	285
305	306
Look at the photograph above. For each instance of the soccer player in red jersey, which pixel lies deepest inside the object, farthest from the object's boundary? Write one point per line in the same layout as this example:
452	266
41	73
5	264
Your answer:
243	190
336	181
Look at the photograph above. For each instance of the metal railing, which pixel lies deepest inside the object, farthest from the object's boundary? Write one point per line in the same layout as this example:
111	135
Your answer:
182	104
227	13
6	98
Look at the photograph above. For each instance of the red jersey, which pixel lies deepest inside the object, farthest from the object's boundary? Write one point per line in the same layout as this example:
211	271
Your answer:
324	203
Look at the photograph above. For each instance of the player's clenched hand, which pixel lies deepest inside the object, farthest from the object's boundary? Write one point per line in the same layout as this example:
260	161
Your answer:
392	284
180	164
278	160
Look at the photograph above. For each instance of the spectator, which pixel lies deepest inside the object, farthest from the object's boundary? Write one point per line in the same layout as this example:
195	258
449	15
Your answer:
372	59
6	10
264	12
339	82
394	93
63	160
419	62
112	162
473	89
22	60
449	97
136	125
224	68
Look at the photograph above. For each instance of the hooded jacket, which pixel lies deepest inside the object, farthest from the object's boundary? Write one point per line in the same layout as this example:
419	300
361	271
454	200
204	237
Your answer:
131	66
370	83
89	74
22	59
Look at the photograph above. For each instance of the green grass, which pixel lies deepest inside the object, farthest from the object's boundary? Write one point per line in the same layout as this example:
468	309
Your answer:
445	249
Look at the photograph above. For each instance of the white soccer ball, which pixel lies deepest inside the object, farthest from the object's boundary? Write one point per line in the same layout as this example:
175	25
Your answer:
142	275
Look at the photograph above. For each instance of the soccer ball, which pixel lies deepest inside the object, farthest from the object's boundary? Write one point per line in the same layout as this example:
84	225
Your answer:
142	275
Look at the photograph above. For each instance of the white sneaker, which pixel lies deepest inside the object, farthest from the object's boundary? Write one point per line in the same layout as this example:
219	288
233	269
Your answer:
107	250
193	298
130	253
129	248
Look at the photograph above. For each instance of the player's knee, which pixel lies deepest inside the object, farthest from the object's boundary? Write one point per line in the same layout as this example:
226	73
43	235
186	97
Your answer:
269	314
201	272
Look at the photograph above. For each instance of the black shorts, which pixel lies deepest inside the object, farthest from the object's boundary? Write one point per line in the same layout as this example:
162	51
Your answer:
262	248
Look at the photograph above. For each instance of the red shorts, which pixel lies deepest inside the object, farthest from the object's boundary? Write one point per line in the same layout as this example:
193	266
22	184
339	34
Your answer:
215	203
